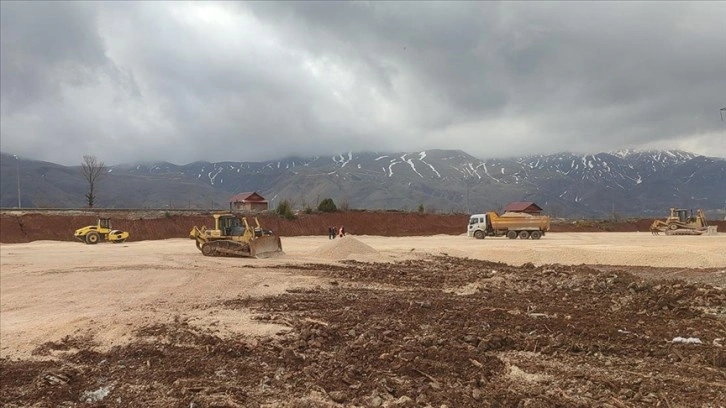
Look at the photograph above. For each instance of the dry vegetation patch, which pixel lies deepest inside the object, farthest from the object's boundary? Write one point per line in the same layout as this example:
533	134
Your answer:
433	332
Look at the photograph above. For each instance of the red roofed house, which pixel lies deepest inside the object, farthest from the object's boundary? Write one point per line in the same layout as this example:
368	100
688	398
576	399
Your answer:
249	201
523	207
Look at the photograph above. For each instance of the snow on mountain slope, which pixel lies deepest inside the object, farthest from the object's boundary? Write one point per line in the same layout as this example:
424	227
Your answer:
624	181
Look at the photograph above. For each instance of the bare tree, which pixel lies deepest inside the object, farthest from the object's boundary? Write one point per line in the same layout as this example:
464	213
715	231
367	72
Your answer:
92	171
344	204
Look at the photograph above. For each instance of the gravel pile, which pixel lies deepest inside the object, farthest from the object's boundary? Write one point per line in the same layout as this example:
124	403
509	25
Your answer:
342	248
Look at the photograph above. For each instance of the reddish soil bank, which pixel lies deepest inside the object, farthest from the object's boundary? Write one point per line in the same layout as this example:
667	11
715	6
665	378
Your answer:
151	225
146	226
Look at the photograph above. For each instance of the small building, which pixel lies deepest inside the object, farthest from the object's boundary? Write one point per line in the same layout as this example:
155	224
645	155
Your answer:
249	201
523	207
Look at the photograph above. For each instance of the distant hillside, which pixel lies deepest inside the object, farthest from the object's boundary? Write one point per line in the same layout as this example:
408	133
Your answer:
604	185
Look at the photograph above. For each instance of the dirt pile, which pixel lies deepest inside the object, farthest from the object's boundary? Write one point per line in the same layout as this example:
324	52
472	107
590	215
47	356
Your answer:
343	248
440	331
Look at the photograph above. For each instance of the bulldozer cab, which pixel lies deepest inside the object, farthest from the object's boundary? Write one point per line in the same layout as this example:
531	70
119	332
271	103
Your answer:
681	214
229	225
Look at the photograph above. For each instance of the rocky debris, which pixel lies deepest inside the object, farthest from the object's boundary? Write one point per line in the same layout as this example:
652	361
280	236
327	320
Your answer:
96	395
435	332
65	344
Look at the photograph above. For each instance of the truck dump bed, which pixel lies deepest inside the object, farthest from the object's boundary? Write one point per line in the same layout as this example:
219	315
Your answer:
519	221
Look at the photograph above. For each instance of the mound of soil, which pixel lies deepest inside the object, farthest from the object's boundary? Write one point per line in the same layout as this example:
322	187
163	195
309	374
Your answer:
342	248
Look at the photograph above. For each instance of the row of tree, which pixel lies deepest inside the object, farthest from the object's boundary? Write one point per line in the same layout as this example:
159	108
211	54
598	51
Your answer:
93	171
284	208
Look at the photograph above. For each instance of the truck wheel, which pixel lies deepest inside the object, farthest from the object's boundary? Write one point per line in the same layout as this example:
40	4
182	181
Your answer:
512	234
535	235
479	235
523	234
92	238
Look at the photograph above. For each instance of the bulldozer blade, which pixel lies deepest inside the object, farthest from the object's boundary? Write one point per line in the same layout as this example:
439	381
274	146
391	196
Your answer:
265	246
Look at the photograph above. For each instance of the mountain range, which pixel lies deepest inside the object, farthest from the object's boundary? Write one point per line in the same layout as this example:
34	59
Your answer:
612	184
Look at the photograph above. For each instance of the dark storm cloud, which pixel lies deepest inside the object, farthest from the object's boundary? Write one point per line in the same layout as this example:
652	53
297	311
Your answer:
35	59
48	48
262	80
584	73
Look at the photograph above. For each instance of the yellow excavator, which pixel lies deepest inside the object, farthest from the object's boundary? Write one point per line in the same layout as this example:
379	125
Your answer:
233	236
679	222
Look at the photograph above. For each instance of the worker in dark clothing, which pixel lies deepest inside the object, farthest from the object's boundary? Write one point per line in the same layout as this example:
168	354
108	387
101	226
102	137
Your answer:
331	232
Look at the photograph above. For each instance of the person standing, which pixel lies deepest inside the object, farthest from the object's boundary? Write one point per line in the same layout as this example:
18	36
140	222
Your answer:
342	231
331	232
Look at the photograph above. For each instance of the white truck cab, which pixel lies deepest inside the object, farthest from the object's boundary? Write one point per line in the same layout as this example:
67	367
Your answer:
477	222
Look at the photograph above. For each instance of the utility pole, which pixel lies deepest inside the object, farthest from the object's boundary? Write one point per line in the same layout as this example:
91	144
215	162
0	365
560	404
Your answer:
467	199
17	171
467	181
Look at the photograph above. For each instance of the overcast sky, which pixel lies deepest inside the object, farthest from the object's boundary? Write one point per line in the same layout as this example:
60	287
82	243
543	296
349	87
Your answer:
260	81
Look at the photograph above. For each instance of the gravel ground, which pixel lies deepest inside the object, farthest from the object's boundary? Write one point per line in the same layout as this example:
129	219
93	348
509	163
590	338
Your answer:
603	319
613	248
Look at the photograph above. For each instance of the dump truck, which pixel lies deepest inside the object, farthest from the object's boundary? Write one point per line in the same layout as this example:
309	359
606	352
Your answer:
102	231
233	235
510	224
682	222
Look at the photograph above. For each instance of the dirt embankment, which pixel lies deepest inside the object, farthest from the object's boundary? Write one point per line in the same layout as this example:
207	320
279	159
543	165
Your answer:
16	228
151	225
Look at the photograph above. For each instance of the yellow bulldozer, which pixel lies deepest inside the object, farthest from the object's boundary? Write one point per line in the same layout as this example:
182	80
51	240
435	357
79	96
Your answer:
102	231
233	236
681	222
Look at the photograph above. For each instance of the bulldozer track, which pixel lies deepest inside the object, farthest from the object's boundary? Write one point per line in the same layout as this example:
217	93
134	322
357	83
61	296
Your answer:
684	232
225	248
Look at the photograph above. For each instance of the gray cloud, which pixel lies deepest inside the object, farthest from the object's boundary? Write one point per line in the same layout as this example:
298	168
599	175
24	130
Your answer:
34	61
262	80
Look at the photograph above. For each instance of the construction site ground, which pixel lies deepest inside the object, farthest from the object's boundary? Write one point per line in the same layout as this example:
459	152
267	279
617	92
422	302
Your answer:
609	319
